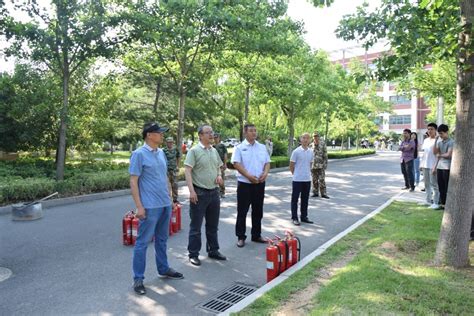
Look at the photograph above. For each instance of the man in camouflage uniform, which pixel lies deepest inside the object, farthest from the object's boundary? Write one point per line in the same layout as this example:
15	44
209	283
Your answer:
222	150
318	168
173	156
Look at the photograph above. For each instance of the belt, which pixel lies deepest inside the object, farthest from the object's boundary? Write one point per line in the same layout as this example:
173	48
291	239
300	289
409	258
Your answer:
204	189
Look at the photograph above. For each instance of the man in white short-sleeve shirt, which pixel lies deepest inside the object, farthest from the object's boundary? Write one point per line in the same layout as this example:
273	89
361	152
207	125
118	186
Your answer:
428	162
300	167
252	162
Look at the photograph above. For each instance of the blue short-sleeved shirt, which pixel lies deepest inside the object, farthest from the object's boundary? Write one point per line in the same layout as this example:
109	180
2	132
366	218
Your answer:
151	168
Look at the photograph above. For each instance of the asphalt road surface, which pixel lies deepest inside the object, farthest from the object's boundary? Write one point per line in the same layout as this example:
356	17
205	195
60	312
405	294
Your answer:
72	261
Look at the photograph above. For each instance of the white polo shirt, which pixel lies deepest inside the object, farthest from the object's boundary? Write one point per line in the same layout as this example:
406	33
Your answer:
302	159
252	157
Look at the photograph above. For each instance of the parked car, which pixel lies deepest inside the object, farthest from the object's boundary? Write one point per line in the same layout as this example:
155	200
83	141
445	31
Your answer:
231	142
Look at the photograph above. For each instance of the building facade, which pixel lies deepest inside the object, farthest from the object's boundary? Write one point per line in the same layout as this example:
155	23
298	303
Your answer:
408	111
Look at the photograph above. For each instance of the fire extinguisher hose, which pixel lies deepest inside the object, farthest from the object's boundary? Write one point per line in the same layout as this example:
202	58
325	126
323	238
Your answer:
279	261
299	247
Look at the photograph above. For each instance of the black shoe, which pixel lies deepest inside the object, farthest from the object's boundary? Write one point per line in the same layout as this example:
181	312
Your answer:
138	287
172	274
325	196
423	190
259	240
412	190
195	261
240	243
405	188
307	221
217	255
314	195
296	222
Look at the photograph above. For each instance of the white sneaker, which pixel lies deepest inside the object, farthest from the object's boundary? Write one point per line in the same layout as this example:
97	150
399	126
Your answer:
434	206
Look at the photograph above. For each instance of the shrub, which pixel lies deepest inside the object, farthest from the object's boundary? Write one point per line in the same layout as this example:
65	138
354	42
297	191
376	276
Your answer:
25	189
350	153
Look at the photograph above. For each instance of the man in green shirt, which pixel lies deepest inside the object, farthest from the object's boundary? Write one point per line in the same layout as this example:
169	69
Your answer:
203	177
222	150
173	156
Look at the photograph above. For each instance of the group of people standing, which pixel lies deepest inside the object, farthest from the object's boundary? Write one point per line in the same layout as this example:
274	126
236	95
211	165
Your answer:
153	172
435	164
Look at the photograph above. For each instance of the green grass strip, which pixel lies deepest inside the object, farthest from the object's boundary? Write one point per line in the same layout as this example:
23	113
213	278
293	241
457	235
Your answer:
392	272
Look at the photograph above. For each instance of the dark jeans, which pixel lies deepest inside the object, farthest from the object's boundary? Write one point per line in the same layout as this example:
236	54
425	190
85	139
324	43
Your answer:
208	206
249	194
443	180
408	175
302	188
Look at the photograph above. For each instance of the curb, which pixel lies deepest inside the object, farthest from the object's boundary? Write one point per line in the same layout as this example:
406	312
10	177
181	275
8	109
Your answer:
285	275
4	210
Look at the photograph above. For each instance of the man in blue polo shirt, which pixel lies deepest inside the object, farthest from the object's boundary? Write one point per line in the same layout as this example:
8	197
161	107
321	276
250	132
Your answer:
150	192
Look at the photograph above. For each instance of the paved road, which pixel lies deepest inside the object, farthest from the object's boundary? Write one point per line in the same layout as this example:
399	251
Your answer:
72	261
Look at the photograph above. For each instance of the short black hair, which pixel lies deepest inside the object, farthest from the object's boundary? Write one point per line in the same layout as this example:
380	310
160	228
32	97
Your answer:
443	128
407	130
146	127
433	125
247	125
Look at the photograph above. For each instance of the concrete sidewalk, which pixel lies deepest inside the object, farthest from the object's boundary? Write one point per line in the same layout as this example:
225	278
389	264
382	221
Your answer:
72	260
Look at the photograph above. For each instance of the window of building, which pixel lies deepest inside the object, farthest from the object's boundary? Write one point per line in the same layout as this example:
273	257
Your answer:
400	119
399	99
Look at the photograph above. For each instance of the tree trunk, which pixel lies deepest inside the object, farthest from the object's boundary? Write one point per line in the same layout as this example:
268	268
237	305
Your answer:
157	98
453	243
440	111
247	102
327	125
61	151
182	100
291	131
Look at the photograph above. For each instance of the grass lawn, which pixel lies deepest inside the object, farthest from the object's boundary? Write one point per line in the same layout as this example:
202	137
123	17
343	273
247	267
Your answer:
387	270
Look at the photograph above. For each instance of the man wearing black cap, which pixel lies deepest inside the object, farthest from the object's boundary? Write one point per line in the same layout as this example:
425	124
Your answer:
149	187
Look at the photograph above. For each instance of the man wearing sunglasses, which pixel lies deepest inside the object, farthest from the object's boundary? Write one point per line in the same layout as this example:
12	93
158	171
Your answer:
150	192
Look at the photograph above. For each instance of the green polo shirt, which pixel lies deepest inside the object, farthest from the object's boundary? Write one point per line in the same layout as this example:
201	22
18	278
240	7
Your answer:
205	164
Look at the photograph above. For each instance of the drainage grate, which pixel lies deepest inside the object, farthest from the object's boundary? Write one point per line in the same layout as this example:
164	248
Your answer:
227	298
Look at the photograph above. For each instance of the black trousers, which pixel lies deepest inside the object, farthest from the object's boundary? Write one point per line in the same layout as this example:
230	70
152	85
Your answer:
208	207
302	188
408	174
443	180
249	194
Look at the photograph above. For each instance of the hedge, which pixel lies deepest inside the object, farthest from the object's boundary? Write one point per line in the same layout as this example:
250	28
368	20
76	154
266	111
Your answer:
350	153
30	189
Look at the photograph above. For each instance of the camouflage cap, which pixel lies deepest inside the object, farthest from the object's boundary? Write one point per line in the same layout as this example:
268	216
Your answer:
169	139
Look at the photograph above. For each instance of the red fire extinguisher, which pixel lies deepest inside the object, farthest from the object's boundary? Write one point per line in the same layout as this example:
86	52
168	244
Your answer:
178	215
127	228
294	248
174	220
135	224
273	260
283	258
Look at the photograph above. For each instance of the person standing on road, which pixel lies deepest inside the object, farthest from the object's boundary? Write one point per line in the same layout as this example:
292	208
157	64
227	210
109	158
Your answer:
407	147
318	169
252	162
222	150
173	156
300	167
444	152
149	187
416	160
427	164
203	177
269	146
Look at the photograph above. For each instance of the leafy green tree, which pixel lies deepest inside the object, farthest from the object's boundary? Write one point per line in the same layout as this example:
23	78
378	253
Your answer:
63	39
439	30
29	107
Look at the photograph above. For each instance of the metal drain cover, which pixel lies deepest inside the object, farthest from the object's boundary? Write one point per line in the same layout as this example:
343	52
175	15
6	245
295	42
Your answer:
228	297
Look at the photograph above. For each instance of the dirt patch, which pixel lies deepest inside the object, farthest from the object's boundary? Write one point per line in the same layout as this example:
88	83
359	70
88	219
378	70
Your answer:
300	302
